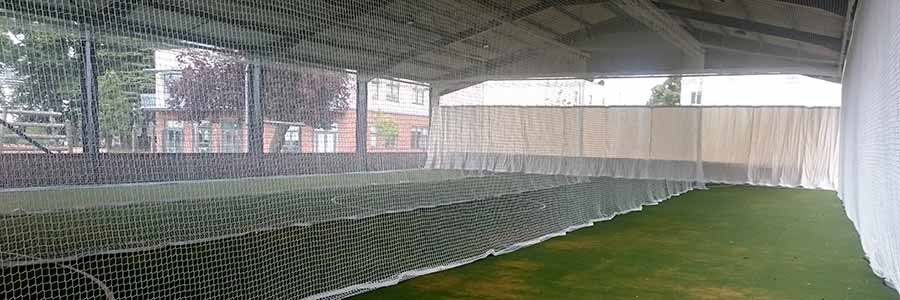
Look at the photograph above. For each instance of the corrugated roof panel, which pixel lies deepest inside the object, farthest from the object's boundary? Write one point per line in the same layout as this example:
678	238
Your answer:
417	70
820	22
769	13
238	34
555	20
592	13
446	59
164	19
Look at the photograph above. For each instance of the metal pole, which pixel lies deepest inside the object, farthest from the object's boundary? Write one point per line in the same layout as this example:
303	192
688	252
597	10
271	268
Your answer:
255	101
2	134
699	171
362	112
90	123
579	121
70	137
434	101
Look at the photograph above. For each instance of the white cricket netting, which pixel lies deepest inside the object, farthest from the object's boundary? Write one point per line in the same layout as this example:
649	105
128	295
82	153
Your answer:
784	146
261	150
327	236
870	183
296	149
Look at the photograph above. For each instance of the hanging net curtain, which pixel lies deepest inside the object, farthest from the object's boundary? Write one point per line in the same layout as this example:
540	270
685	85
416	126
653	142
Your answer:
870	110
294	149
266	150
780	146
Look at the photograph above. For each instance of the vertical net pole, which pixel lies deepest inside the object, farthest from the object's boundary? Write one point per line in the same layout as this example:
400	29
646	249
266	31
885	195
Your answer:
362	112
90	123
255	94
700	176
3	116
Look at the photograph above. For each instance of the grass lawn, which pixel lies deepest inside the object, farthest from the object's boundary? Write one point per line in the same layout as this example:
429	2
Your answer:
729	242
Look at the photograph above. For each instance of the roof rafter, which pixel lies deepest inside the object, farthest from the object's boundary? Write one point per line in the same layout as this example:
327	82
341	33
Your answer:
114	20
645	12
838	7
715	40
341	19
510	58
584	23
748	25
509	17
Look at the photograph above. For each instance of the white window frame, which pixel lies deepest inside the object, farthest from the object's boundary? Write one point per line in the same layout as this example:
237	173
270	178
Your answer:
393	94
234	146
321	140
292	140
172	129
419	96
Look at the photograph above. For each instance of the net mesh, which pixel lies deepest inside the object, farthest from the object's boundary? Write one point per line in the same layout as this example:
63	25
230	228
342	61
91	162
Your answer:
321	149
782	146
226	149
869	139
326	236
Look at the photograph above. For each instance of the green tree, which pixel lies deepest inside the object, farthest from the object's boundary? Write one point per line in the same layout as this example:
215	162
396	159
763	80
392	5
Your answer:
47	66
212	83
119	108
387	130
47	61
666	94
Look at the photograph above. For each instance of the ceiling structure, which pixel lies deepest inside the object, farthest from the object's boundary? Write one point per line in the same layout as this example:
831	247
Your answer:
462	42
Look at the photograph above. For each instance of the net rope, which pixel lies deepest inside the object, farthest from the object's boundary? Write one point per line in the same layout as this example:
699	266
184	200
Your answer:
871	106
321	149
778	146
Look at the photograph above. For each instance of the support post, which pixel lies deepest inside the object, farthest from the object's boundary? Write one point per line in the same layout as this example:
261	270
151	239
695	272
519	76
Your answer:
255	99
362	112
90	123
700	175
3	117
579	121
434	101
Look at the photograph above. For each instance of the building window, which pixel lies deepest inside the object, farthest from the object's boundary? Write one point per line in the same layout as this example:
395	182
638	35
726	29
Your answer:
390	142
375	90
419	138
325	140
169	79
174	137
291	140
203	137
374	138
393	91
696	97
231	137
420	96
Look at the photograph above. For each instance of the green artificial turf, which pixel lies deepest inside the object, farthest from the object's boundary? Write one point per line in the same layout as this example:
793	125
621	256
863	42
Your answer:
729	242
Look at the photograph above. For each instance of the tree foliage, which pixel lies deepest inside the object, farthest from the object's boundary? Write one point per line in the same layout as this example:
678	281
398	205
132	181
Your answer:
211	84
387	129
47	66
118	108
47	62
666	94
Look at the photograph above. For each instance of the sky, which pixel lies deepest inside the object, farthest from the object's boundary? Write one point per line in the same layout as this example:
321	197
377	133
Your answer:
793	90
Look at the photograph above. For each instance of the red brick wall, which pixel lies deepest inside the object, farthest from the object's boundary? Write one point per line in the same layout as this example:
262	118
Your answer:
404	136
188	146
346	129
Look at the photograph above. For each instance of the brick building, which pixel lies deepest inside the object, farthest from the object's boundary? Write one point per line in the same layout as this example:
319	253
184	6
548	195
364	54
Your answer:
399	106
